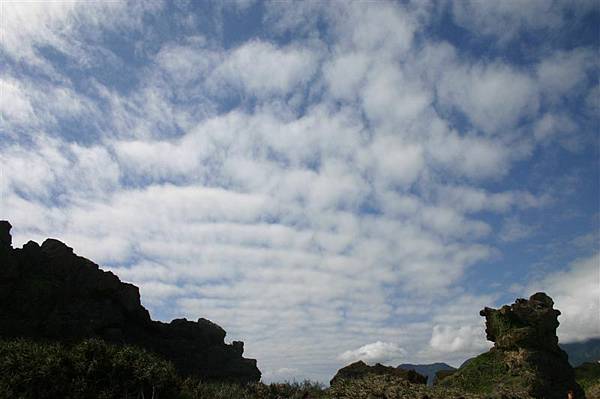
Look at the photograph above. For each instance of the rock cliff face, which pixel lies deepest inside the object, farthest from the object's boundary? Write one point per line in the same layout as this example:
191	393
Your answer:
48	292
360	369
525	357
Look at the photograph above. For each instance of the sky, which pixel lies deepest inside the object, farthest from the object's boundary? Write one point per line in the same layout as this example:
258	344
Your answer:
327	180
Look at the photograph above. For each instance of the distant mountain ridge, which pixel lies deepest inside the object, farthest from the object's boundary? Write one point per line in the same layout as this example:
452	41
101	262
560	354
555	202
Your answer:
582	352
428	370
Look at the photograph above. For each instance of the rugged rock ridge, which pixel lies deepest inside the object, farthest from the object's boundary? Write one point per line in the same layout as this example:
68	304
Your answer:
525	357
526	323
360	369
428	370
48	292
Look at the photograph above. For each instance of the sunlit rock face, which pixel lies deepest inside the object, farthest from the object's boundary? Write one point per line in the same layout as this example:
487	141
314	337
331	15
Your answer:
48	292
526	358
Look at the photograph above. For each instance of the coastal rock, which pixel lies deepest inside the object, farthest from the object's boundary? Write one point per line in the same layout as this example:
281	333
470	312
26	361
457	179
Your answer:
525	357
360	369
47	292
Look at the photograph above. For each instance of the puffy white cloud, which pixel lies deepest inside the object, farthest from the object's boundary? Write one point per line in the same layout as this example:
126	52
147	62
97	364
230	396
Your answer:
397	163
388	29
345	74
262	69
494	97
50	168
376	352
458	339
562	71
187	63
391	97
469	155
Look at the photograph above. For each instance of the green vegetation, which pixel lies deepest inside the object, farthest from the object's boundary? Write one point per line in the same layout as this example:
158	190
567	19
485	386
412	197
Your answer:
588	376
392	387
90	369
487	374
95	369
442	374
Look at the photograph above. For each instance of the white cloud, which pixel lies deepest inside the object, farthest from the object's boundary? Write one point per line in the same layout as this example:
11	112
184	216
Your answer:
261	68
458	339
62	25
14	104
494	97
385	29
397	163
377	352
469	155
561	72
471	199
27	106
345	74
186	63
391	97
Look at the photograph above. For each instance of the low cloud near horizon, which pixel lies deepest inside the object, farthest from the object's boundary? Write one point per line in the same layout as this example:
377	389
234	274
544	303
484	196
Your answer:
329	182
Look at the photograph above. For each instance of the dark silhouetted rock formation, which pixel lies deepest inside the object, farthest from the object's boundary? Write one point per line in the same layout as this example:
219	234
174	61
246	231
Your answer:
47	292
428	370
360	369
525	357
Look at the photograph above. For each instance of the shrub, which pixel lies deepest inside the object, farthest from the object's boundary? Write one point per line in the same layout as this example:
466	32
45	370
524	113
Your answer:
89	369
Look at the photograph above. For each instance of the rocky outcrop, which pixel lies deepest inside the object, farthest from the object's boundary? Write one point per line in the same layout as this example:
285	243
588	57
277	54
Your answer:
428	370
360	369
525	357
48	292
526	323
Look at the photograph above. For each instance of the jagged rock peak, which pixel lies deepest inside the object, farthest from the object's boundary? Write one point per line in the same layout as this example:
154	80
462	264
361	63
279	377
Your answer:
48	292
5	237
527	323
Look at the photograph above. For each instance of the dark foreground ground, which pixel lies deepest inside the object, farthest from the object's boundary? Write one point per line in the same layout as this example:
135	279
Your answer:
95	369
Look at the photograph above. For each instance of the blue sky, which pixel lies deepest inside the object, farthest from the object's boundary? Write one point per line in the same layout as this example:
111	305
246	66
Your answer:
328	181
